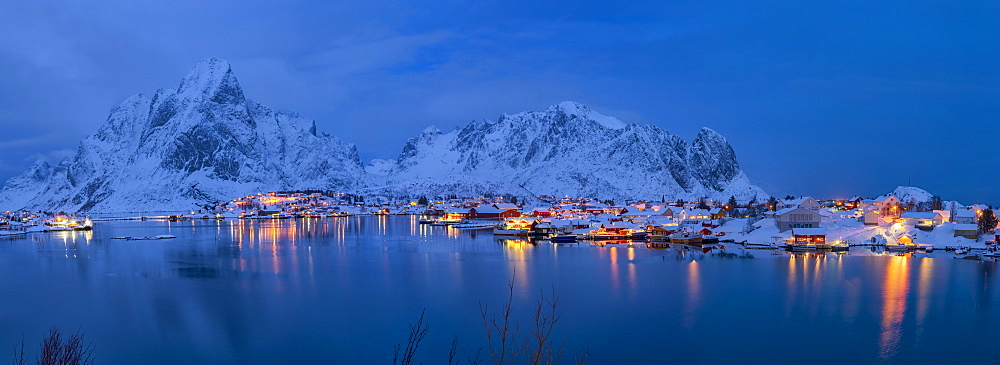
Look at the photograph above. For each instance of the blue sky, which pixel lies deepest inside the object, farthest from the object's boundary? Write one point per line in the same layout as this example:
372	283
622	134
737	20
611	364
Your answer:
827	99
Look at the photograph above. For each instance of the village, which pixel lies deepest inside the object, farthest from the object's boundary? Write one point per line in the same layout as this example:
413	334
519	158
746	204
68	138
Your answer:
797	224
24	222
919	221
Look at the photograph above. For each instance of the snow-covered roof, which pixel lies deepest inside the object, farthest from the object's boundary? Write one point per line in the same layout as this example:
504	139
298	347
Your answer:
506	206
920	215
966	227
884	198
637	213
615	225
965	213
809	231
788	210
799	200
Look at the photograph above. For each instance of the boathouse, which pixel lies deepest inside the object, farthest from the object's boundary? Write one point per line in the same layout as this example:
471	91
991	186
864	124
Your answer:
809	236
970	231
491	213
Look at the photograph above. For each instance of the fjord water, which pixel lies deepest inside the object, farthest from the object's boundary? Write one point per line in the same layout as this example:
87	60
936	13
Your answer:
342	290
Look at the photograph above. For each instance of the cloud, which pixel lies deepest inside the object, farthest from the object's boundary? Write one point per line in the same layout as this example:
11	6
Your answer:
356	57
52	157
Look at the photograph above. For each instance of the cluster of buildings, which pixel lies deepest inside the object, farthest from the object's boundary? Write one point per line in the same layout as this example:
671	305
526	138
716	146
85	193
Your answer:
592	219
799	220
804	216
25	221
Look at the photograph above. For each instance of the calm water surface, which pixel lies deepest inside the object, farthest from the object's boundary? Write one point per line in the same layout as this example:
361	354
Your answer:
343	290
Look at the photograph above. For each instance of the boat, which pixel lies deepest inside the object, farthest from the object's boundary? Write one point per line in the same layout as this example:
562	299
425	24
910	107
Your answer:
801	248
899	248
446	222
497	231
563	238
686	238
473	225
992	254
760	246
640	235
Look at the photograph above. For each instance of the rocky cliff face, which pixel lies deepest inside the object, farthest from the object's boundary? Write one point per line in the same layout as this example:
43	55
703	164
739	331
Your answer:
204	142
184	147
565	150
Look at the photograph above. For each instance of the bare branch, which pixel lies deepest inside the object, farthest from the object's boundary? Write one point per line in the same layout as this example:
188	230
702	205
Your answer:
417	333
454	350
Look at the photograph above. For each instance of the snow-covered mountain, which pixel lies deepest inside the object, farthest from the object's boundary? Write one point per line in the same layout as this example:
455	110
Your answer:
568	149
912	194
205	142
181	148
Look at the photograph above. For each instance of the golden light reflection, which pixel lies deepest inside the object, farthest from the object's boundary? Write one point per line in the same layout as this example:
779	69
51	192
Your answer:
923	292
515	252
693	295
791	285
615	284
632	282
895	288
271	245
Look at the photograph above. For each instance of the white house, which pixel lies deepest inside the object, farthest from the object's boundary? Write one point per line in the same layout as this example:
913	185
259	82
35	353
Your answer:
945	214
872	218
922	220
966	216
805	202
967	230
887	205
796	217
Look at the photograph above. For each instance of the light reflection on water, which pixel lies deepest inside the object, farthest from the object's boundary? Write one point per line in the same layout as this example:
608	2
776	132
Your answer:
257	291
693	295
895	288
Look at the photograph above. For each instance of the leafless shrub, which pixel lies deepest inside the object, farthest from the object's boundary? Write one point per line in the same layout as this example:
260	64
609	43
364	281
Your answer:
55	350
417	333
20	357
500	332
506	343
453	351
537	346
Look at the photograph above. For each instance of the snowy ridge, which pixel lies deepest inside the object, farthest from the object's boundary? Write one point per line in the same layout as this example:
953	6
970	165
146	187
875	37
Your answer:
205	142
567	149
182	148
911	193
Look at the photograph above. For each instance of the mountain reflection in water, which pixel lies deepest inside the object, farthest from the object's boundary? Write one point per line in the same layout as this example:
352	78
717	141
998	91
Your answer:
343	289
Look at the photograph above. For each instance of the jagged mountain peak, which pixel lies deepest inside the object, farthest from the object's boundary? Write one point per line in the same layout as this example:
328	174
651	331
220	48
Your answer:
572	108
431	130
212	78
566	149
184	147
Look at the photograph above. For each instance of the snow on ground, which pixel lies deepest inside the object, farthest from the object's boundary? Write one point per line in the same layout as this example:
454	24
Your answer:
842	226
